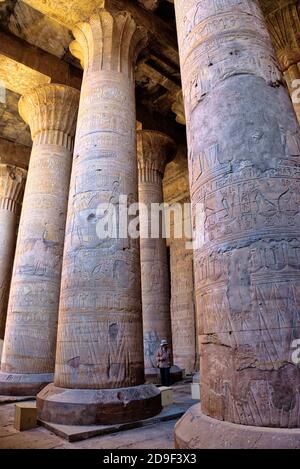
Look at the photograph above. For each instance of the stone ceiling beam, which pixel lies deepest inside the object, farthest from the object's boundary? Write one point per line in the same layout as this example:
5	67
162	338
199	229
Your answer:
19	78
38	61
158	77
61	72
75	11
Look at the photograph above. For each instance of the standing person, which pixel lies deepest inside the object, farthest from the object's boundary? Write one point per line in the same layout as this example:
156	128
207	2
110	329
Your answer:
163	360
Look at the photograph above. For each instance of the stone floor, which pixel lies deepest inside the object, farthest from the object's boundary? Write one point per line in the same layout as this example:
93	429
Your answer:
157	436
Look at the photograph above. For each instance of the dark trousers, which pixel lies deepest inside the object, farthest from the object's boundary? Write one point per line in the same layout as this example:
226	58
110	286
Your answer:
165	376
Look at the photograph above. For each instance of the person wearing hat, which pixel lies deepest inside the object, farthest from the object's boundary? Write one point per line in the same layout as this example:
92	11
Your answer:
163	360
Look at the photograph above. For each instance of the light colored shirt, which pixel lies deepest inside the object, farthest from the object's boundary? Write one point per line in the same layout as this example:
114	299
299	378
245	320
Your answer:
163	358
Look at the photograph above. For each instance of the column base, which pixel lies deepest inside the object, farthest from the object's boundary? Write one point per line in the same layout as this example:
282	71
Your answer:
98	406
152	375
23	384
197	431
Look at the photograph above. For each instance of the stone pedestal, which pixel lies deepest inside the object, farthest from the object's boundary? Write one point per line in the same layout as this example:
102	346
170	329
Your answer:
166	396
243	137
154	149
196	430
12	183
30	337
195	386
99	373
25	416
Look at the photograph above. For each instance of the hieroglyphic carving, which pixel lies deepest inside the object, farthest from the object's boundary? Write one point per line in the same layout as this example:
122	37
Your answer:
183	318
201	38
12	182
29	346
182	305
154	150
99	342
243	140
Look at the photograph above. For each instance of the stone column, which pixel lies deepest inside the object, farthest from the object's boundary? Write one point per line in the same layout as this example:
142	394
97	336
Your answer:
12	182
283	21
99	374
183	318
29	345
182	305
243	165
154	149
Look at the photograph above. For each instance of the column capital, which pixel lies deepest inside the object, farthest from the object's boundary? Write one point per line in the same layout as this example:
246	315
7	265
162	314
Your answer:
51	109
178	108
108	41
12	183
284	24
154	149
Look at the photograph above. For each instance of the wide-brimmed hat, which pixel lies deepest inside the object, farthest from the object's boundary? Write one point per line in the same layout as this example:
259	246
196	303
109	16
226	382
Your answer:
164	342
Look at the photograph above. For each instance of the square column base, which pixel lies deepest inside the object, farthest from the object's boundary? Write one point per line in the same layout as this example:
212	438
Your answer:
25	416
98	406
166	396
198	431
195	391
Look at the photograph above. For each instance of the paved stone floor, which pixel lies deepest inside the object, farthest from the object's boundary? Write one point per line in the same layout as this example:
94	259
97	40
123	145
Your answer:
158	436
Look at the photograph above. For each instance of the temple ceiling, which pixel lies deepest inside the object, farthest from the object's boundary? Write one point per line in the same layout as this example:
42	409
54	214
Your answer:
157	75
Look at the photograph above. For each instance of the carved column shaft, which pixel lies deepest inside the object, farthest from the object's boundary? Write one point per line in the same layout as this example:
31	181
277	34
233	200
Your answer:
243	140
183	317
182	305
12	182
153	151
104	330
30	337
99	341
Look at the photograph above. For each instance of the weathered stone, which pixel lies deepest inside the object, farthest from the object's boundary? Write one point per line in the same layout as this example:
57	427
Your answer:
176	179
243	139
182	305
166	396
12	183
30	336
18	77
74	11
195	430
154	150
183	319
100	341
25	416
98	406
